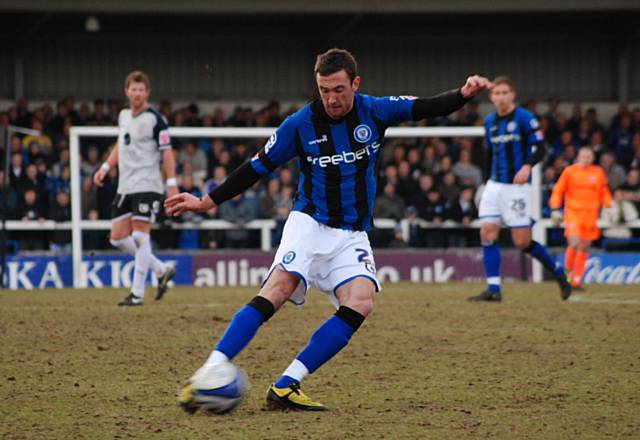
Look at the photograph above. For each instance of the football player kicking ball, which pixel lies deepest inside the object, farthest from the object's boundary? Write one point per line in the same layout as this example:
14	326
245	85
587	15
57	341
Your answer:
142	142
337	140
513	146
584	189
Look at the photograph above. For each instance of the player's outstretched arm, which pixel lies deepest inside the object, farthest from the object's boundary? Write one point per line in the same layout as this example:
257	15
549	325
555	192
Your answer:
450	101
112	161
241	179
474	85
522	176
180	203
559	190
278	150
169	164
606	199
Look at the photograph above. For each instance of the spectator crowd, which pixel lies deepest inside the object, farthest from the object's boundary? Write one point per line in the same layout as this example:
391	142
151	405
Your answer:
430	179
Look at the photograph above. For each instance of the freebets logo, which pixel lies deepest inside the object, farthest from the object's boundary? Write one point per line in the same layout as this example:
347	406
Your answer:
347	157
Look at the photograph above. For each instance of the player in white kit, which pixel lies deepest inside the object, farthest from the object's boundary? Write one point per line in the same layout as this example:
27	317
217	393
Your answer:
142	143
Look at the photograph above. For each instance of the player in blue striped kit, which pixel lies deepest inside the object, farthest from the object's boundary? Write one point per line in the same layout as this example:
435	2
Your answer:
337	140
513	146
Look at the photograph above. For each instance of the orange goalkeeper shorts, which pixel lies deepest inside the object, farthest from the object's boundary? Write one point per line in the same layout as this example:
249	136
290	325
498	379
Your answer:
583	224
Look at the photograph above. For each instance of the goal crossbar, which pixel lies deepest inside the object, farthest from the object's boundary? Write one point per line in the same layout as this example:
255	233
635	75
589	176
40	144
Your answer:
75	133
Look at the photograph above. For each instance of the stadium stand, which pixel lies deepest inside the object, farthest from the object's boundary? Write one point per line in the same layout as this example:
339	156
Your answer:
429	179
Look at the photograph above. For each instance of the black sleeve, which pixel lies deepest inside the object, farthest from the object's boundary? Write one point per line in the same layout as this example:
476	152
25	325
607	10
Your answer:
488	158
238	181
438	105
538	152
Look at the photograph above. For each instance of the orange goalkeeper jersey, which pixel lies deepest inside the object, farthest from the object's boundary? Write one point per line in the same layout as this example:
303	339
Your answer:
583	188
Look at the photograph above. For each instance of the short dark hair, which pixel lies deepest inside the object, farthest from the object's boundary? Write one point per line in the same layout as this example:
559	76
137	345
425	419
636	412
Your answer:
503	79
335	60
139	77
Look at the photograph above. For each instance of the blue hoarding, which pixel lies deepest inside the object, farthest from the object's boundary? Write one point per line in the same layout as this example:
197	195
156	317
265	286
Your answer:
250	267
38	272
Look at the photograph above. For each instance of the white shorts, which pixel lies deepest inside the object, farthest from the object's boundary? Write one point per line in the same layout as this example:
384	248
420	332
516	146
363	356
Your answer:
506	203
323	256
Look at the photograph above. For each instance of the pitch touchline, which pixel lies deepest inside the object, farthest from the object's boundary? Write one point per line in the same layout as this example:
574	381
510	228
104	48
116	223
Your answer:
578	298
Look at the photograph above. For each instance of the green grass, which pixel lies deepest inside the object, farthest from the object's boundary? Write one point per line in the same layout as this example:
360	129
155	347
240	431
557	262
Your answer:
426	364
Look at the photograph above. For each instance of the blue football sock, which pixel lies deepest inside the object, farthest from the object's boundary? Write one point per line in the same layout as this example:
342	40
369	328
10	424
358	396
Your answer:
491	260
285	381
244	326
541	254
326	342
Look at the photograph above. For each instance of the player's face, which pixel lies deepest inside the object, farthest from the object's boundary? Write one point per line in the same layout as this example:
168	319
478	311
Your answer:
138	94
336	91
585	157
504	98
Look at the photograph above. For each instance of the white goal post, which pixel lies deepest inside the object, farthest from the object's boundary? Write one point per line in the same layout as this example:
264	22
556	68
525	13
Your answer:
77	224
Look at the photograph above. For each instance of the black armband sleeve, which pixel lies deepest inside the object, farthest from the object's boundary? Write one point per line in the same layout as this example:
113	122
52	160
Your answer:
438	105
488	163
538	153
238	181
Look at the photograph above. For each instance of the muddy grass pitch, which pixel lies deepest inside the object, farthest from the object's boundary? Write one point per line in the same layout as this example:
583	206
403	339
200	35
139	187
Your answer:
426	364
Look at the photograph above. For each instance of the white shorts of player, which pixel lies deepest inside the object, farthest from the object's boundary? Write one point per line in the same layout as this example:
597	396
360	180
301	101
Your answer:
506	203
323	256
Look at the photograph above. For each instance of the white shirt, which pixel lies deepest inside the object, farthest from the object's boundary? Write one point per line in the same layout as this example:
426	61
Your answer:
140	141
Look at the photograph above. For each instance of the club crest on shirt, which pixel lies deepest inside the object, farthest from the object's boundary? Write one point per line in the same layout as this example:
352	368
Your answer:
511	126
289	257
362	133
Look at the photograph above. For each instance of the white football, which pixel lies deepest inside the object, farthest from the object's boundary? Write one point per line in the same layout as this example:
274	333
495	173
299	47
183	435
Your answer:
219	388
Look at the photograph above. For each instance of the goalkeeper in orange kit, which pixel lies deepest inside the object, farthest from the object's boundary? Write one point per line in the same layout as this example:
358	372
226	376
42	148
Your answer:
584	188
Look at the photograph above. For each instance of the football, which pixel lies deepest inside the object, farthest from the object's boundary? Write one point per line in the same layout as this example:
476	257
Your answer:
217	388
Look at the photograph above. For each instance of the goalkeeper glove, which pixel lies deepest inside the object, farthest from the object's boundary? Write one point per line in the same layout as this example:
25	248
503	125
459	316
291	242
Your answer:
556	217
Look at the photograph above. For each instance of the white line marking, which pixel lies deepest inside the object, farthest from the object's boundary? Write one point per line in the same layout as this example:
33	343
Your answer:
586	299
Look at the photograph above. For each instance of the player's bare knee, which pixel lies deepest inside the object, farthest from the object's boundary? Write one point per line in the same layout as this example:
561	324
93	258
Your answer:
141	225
357	295
364	306
521	238
489	232
361	304
115	238
280	287
522	243
277	294
120	230
117	242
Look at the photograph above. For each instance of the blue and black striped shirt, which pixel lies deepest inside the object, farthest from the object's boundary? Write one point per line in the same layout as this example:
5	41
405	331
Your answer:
512	141
337	158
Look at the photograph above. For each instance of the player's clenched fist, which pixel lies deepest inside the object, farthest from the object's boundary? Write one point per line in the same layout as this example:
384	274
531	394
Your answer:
183	202
522	176
474	85
98	177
